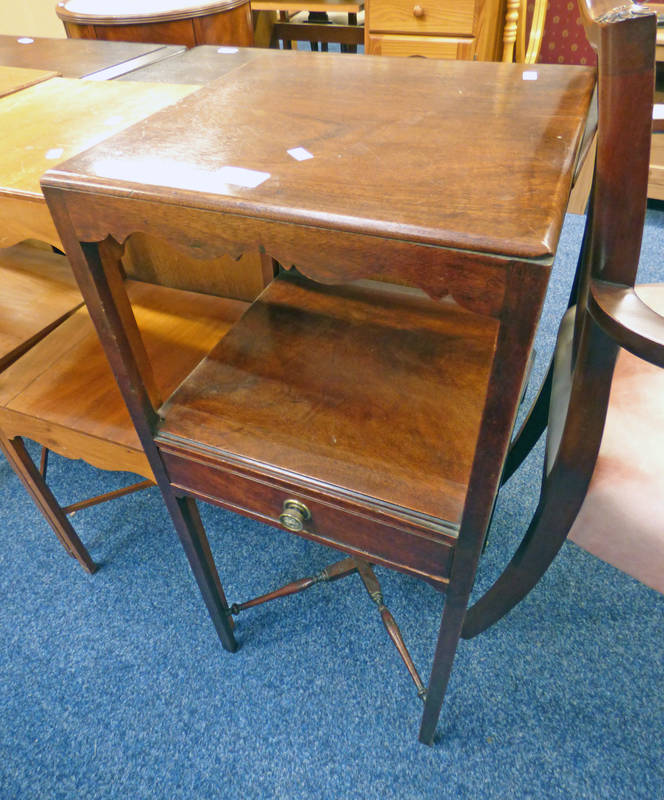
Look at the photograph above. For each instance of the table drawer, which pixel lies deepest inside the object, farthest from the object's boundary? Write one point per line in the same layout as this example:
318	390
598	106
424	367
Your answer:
423	16
426	46
378	537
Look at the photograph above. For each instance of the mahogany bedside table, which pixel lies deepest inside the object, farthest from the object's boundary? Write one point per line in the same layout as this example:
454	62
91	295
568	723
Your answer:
366	399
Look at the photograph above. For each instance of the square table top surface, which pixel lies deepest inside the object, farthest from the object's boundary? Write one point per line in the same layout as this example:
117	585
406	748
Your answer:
78	58
466	155
13	79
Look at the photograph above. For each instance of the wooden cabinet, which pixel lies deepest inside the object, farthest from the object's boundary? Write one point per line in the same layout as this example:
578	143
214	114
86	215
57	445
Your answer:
187	22
463	29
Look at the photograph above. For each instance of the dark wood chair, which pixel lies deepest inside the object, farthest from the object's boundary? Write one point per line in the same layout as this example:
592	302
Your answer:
602	484
319	22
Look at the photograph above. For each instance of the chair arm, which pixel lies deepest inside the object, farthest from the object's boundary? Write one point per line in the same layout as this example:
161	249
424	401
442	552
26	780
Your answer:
632	324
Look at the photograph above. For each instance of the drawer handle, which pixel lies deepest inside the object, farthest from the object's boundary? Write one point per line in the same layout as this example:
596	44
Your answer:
418	12
294	515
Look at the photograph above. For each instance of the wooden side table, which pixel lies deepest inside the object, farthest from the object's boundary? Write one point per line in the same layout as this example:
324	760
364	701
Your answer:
369	415
159	21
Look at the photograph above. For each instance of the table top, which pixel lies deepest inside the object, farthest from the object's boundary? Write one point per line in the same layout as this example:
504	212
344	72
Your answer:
78	58
467	155
57	119
13	79
199	65
52	121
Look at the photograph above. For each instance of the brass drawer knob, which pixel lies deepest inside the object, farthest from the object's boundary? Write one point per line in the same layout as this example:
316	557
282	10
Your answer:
418	12
294	515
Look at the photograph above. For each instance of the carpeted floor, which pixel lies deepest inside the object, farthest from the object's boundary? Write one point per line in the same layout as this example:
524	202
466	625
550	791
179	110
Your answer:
114	686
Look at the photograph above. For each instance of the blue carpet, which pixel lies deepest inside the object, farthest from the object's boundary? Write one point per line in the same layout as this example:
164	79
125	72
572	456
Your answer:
115	686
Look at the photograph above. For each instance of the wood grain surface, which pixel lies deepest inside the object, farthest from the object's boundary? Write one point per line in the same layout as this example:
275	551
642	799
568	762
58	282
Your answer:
330	383
75	58
470	156
13	79
38	290
52	121
62	392
198	65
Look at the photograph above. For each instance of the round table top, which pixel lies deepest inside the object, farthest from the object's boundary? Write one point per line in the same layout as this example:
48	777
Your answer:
123	12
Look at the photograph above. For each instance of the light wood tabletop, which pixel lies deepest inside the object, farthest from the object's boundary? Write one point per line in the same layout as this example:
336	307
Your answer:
13	79
52	121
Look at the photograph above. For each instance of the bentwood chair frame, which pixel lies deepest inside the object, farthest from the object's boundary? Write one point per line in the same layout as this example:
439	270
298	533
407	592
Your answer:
609	314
